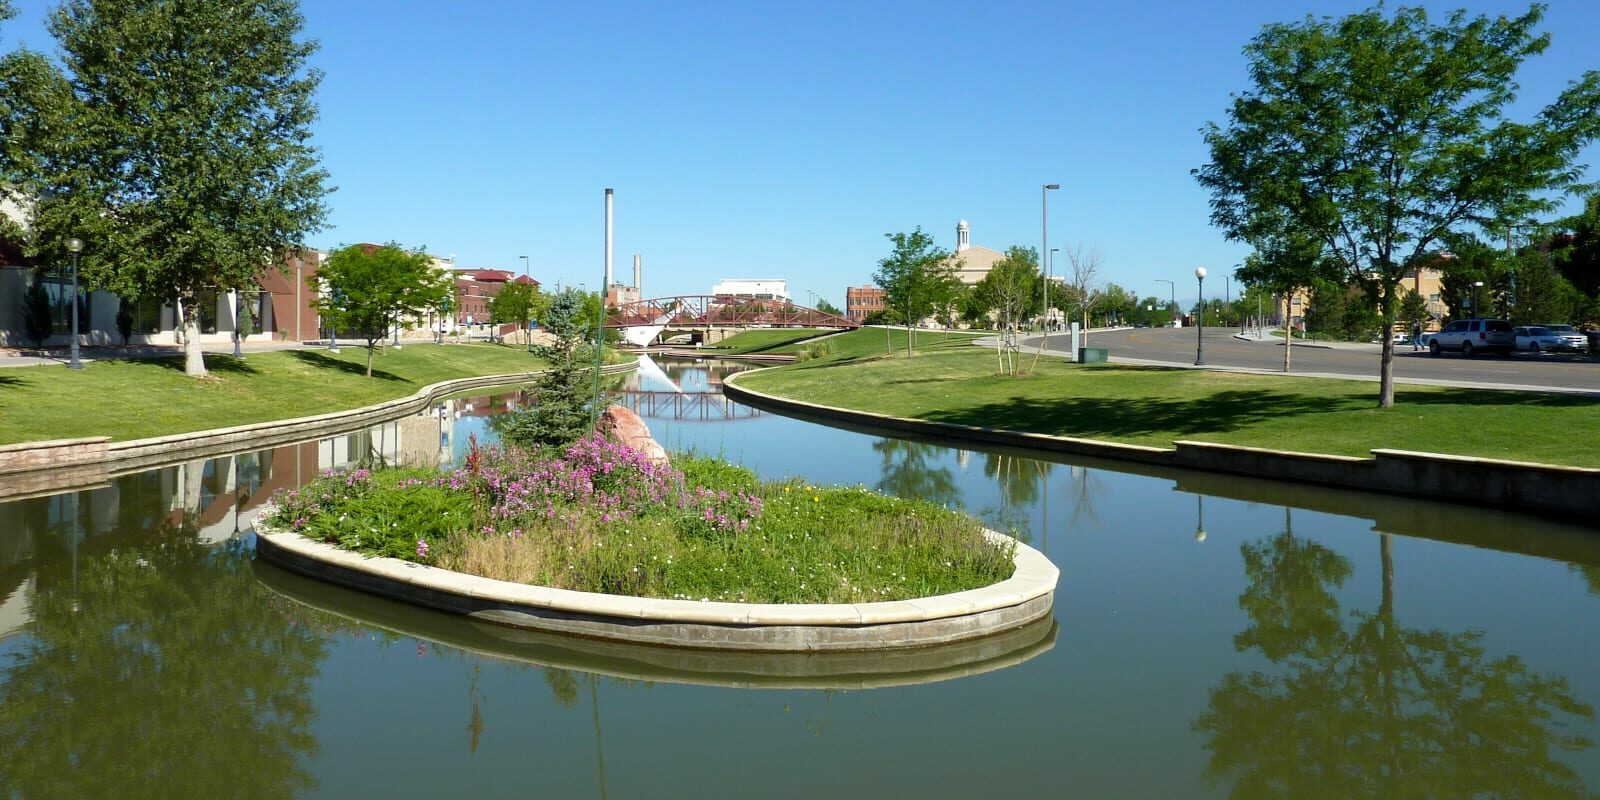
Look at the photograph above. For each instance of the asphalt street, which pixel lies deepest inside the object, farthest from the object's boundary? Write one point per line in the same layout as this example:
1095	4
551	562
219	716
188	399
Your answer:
1562	372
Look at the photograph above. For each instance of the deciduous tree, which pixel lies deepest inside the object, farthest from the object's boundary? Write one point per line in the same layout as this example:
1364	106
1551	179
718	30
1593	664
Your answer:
186	154
1376	134
366	289
917	278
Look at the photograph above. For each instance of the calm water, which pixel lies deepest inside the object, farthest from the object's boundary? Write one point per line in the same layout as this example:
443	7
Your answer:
1212	637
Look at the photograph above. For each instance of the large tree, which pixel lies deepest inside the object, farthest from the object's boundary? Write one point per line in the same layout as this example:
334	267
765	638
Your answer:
187	151
918	278
1378	133
367	290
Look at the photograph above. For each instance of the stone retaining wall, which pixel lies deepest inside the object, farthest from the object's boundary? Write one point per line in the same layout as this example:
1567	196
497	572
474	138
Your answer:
1520	486
1026	596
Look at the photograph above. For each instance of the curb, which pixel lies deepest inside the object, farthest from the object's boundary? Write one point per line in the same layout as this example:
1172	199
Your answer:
1026	596
161	450
1548	489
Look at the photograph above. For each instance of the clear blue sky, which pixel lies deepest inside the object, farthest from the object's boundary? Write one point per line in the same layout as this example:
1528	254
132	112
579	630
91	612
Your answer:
785	139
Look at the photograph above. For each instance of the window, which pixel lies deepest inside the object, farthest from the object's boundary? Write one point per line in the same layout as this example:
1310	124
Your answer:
59	290
146	316
207	301
1433	298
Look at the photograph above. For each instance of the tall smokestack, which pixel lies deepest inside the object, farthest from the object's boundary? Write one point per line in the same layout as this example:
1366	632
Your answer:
607	287
635	271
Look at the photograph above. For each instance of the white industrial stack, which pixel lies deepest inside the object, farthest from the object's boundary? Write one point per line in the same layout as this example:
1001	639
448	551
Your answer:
608	244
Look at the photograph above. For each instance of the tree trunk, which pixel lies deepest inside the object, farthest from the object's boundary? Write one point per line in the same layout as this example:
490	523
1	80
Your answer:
369	358
1288	341
1386	371
194	361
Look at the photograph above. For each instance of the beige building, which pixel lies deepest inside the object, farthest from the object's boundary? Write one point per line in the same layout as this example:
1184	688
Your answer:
972	263
1427	280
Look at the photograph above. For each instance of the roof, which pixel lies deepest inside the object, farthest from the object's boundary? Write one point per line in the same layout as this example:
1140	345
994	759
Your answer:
975	262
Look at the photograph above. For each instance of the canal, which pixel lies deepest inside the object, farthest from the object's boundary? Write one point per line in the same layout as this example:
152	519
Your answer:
1213	637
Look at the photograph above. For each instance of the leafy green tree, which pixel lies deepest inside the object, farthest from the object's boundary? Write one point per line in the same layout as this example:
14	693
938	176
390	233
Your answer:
1541	294
1413	313
366	289
1473	261
1011	290
828	308
1377	134
917	278
1285	261
1117	304
1577	255
186	150
516	302
560	413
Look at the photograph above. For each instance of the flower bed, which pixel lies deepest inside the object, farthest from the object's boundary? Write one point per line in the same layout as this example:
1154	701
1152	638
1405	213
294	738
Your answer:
599	517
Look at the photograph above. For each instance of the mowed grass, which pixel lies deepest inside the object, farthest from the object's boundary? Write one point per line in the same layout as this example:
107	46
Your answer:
134	399
767	340
1157	406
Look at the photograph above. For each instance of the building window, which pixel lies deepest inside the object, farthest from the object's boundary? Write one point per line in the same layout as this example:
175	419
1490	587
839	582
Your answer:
146	316
1434	297
59	290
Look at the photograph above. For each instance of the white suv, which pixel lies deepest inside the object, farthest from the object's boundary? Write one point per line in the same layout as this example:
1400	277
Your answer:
1474	336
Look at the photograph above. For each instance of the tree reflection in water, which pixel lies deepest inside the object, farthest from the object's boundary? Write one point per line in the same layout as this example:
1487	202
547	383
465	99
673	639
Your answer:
1364	707
152	671
909	471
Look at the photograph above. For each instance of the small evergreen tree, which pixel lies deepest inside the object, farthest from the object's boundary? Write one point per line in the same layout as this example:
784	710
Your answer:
124	320
561	411
36	317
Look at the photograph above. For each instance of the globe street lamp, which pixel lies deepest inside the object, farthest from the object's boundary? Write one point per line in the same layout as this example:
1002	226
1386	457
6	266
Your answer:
1044	252
74	246
1200	319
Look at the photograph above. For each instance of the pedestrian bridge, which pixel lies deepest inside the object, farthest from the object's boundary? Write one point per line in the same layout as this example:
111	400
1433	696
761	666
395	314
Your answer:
712	318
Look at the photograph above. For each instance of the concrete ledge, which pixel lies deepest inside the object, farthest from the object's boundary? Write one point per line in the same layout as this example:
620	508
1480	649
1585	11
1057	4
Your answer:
139	454
1554	490
28	456
1026	596
845	670
973	433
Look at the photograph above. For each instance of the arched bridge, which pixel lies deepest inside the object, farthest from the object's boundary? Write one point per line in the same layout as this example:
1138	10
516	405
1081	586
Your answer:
713	317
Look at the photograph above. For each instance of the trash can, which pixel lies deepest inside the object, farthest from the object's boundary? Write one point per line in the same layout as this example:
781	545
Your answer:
1091	355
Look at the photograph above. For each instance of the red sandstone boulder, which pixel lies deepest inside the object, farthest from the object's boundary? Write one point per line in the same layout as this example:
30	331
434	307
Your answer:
624	427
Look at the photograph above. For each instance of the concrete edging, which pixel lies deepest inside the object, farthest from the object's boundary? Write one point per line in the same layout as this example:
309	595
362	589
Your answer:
157	450
1551	489
1026	596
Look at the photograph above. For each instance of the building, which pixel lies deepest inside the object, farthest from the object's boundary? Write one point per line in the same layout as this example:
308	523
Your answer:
862	301
753	288
972	263
1429	281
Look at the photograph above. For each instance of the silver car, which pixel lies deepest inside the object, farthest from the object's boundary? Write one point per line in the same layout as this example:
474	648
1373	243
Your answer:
1550	339
1474	336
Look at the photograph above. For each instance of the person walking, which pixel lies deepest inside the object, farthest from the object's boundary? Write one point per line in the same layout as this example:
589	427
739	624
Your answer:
1416	336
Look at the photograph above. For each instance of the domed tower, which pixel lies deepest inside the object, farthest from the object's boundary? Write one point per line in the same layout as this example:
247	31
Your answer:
963	236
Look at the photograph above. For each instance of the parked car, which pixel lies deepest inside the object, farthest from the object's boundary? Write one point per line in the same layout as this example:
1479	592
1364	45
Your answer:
1470	336
1547	339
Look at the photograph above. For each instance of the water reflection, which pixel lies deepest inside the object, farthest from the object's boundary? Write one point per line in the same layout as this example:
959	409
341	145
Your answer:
1360	705
149	670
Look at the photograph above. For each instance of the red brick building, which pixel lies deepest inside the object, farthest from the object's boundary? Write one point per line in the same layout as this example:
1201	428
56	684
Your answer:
859	301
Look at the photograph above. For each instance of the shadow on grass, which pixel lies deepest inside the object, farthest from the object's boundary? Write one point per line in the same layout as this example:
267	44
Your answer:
1102	418
214	363
322	360
1218	413
9	380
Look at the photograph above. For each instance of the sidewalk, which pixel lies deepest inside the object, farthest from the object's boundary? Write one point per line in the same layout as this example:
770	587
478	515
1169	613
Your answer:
38	357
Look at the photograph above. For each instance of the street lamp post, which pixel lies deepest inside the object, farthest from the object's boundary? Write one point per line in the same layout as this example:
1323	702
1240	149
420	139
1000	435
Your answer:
1174	289
1200	319
1050	269
74	246
1477	302
1044	252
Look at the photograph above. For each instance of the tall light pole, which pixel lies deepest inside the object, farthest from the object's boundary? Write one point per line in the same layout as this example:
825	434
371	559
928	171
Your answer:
1044	252
74	246
1477	309
1050	272
1200	319
1173	287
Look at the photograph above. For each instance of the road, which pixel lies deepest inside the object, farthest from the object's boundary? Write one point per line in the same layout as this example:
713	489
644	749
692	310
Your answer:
1570	373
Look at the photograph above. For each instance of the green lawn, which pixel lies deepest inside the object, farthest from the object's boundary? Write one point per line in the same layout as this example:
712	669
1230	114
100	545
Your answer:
134	399
767	340
1156	406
